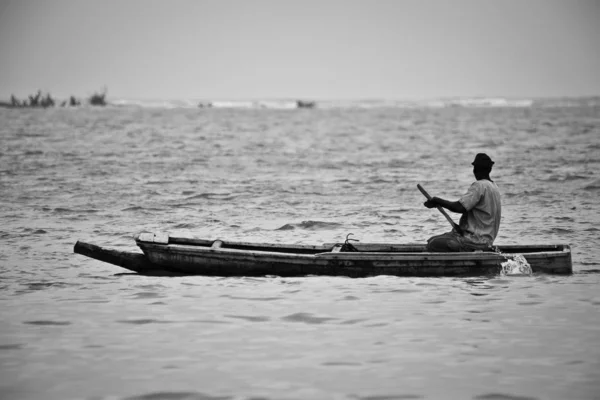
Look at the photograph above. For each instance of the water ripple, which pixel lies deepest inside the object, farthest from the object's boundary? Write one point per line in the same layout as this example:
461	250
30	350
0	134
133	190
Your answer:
502	396
176	396
306	318
249	318
47	323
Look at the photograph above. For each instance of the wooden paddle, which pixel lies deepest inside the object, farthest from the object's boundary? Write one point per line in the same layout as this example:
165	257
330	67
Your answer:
456	227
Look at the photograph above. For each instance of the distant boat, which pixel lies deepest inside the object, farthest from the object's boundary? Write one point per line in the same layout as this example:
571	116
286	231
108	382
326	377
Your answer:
305	104
164	254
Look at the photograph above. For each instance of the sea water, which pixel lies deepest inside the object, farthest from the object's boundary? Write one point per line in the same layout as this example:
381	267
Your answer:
75	328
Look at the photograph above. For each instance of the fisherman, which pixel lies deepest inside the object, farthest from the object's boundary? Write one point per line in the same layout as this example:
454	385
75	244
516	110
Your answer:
480	208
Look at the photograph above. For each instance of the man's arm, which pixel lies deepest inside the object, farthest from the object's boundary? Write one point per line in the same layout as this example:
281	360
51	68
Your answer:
453	206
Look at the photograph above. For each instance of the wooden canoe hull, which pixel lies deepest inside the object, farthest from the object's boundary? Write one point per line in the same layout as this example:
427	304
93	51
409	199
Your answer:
132	261
234	263
168	255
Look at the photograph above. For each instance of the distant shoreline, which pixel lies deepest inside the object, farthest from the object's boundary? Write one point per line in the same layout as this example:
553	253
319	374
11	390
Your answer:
40	100
289	104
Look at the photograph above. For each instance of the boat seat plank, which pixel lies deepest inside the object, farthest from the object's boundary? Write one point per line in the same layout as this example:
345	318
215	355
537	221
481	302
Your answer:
384	247
161	238
146	237
245	253
194	241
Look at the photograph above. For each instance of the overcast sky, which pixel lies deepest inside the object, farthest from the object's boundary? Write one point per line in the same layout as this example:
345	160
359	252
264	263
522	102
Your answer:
314	49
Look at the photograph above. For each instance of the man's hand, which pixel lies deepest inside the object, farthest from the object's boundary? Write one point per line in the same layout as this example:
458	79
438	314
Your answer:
453	206
432	203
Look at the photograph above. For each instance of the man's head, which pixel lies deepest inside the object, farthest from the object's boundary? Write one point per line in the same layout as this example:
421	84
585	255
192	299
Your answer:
482	165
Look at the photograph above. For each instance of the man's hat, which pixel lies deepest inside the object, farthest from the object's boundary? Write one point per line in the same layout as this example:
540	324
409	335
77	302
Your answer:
482	160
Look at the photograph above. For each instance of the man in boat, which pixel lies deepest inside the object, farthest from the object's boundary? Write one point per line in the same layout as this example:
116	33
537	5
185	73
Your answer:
480	208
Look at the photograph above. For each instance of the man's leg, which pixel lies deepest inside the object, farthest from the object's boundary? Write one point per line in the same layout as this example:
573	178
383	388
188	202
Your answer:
446	242
466	244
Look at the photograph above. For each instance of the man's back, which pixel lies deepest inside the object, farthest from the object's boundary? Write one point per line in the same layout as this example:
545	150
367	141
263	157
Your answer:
484	210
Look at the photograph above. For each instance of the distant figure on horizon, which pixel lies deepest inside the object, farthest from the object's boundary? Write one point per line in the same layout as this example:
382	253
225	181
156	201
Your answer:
481	211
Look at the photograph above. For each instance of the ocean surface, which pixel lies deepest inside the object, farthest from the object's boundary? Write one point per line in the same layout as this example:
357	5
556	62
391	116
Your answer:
75	328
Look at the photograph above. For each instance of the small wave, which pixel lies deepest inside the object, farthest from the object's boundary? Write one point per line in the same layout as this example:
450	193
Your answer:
33	153
184	225
574	177
588	271
31	135
352	321
213	196
249	318
134	208
375	180
593	185
251	298
340	364
62	210
391	397
209	321
177	396
46	285
286	227
47	323
157	182
151	286
306	318
16	346
396	291
146	295
309	225
565	178
502	396
533	192
563	218
529	303
142	321
559	230
94	301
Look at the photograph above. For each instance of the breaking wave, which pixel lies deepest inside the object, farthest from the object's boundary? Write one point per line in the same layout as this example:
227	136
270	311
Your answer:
309	225
288	104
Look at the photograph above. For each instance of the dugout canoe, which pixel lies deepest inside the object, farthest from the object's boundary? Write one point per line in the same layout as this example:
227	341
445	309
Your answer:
165	254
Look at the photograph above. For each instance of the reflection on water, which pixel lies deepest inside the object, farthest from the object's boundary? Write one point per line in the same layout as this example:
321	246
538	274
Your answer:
76	328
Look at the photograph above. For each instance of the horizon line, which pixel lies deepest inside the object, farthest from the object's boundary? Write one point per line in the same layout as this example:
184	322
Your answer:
317	98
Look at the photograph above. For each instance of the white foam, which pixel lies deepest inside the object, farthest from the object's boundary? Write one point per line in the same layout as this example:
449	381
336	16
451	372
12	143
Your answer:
466	102
516	265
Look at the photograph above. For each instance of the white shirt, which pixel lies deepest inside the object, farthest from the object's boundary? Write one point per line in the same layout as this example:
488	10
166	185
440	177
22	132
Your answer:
482	219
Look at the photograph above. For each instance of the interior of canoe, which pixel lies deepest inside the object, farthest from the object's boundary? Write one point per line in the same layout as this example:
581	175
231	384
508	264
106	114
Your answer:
315	249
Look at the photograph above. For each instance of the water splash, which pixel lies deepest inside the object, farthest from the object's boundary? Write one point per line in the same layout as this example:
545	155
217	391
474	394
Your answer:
515	265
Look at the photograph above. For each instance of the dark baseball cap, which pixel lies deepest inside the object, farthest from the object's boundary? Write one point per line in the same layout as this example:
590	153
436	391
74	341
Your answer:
482	160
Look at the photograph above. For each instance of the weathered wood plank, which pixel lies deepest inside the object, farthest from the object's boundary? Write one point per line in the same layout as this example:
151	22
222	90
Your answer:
161	238
146	237
192	240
